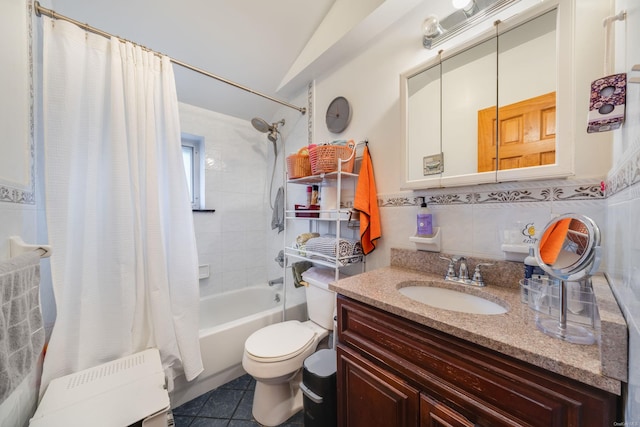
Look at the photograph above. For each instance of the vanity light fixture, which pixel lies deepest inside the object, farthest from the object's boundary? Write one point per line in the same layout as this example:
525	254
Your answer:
431	29
469	7
467	14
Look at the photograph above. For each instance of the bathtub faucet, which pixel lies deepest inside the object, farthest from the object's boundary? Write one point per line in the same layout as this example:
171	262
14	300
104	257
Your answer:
279	280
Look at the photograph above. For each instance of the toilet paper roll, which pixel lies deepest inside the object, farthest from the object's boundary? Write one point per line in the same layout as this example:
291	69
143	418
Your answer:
328	201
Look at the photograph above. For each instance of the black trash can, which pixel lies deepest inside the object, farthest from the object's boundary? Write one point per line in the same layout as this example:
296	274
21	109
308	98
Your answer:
319	389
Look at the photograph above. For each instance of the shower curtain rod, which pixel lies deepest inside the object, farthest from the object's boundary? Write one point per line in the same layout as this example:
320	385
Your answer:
39	10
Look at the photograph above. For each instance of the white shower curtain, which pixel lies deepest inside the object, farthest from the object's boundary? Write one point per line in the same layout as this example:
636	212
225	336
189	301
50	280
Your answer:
124	269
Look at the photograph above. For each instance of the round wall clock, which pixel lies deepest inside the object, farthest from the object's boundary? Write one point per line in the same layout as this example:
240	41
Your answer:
338	115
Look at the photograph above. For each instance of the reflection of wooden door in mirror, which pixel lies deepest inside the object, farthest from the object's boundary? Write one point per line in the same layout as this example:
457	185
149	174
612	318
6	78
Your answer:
527	134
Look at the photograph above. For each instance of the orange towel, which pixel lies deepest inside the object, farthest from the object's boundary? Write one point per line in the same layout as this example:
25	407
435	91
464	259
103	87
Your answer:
552	241
366	201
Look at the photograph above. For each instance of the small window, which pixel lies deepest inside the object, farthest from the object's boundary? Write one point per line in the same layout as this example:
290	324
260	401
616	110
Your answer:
193	166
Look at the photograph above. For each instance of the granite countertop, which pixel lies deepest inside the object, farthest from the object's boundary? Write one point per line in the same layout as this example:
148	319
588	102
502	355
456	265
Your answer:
602	365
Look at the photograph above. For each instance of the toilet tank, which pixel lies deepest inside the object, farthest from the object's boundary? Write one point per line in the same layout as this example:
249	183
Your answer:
321	301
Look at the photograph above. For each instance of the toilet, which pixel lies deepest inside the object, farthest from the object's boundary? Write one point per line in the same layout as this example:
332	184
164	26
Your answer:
274	355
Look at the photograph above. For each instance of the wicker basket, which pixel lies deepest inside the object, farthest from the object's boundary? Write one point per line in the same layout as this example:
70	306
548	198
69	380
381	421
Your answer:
298	164
324	158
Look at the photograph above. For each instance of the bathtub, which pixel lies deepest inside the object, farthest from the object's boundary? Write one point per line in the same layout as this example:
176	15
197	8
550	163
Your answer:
226	321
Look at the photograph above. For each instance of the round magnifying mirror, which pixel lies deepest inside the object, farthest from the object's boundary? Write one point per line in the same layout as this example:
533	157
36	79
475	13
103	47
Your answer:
569	247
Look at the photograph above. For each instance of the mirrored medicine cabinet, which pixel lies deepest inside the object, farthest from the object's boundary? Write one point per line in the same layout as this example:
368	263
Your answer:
497	108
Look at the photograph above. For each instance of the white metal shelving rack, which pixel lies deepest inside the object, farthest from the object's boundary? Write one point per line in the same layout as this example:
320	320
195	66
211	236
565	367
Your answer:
338	219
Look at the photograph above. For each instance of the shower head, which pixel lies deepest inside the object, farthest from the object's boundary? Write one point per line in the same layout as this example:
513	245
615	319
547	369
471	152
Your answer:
272	129
260	125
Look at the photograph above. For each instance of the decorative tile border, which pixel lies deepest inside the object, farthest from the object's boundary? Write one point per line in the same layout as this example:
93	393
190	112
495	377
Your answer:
396	201
13	195
511	196
310	110
580	192
451	199
500	193
627	175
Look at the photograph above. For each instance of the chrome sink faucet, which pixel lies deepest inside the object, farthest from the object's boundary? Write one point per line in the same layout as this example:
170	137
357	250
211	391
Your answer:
463	271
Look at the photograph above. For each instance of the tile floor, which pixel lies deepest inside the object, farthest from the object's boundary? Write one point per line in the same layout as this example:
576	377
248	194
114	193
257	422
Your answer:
229	406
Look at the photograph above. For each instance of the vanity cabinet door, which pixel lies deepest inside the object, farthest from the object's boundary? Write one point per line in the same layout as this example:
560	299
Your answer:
369	396
436	414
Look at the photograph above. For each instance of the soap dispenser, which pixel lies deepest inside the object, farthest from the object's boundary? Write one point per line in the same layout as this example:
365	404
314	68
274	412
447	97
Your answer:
424	220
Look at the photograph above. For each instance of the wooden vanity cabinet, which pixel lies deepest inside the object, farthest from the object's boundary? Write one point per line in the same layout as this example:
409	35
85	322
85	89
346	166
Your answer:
395	372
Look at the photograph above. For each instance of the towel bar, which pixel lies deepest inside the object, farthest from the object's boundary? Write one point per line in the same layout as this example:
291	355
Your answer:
18	246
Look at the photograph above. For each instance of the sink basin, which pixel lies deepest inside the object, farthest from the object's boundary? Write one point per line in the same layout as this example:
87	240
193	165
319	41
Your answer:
448	299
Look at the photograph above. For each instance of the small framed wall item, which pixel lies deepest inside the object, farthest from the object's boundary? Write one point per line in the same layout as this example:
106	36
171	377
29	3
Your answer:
607	103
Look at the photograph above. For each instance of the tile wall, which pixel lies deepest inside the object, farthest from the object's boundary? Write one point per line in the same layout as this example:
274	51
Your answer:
473	219
623	202
238	162
623	267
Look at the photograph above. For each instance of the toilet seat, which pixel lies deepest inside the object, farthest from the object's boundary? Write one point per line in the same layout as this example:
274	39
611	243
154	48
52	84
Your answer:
279	341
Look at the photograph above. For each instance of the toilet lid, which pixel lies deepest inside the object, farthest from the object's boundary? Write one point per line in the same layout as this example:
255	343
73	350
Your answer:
279	341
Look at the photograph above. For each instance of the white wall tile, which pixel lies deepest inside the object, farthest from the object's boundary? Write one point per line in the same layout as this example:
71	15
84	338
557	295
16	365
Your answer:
238	164
633	394
208	222
616	256
232	242
456	226
233	279
491	220
632	253
17	220
257	275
